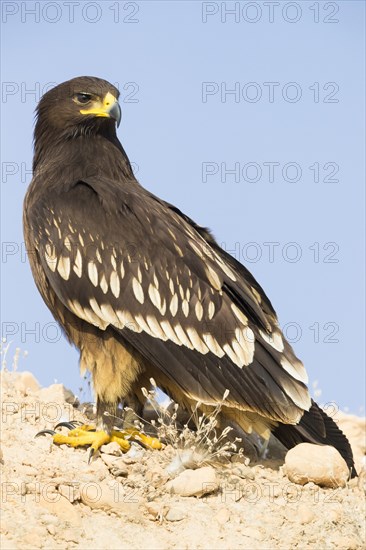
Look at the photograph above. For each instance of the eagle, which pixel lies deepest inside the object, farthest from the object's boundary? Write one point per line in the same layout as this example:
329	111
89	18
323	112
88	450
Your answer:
145	292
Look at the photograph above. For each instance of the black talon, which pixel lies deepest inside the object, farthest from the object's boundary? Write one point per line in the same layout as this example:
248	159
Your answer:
91	454
69	425
44	432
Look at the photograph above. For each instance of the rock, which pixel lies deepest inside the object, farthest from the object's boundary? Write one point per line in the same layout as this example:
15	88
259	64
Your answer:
111	449
242	471
116	466
157	510
194	482
56	393
320	464
305	514
25	382
156	476
61	507
222	516
175	514
135	454
70	492
109	497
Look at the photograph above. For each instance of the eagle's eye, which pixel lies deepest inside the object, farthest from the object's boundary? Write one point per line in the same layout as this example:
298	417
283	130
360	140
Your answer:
82	98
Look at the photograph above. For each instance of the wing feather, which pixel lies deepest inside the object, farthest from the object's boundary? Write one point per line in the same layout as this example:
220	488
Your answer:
117	256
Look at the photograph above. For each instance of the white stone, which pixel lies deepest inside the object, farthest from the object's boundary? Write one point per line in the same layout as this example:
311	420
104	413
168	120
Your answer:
194	482
175	514
321	464
305	514
222	516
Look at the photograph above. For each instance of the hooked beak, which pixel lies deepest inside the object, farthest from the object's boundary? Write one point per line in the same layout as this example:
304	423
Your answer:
116	113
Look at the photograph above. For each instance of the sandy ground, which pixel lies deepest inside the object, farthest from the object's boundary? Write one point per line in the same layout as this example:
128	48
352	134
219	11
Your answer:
52	498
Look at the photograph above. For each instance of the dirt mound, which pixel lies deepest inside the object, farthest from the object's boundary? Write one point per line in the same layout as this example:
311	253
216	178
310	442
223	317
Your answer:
52	498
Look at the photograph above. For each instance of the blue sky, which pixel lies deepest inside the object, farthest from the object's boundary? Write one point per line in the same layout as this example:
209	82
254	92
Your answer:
249	116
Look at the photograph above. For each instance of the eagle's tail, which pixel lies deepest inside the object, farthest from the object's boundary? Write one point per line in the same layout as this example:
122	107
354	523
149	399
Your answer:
316	427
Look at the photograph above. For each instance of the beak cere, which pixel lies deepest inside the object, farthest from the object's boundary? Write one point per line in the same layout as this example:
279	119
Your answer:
109	108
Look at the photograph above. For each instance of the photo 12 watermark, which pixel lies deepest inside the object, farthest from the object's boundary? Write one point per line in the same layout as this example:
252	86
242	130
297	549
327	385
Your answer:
269	92
71	12
253	252
270	12
15	172
237	171
90	492
31	92
36	332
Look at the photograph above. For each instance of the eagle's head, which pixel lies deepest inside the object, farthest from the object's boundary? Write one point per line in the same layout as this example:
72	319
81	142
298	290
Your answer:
80	106
70	115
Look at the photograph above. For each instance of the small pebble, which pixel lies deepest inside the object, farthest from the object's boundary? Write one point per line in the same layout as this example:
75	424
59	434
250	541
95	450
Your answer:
174	514
222	516
194	482
111	449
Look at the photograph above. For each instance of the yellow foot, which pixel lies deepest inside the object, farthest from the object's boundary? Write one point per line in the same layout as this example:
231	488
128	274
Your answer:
87	435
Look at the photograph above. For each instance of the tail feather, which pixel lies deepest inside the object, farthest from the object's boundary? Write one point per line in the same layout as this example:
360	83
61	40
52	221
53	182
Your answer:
316	427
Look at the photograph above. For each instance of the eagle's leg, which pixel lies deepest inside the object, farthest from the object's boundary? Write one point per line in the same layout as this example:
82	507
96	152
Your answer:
115	367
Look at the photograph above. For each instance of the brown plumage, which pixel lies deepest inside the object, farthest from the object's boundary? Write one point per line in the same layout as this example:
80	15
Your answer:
143	291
